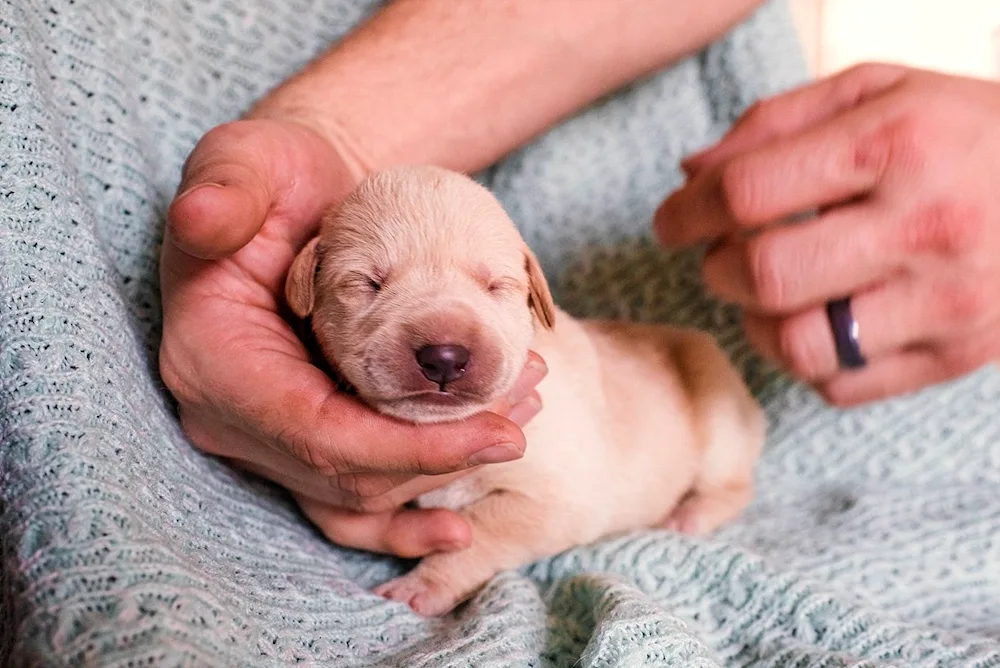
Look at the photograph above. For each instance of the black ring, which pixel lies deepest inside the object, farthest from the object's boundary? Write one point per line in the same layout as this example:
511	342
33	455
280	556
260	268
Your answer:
845	333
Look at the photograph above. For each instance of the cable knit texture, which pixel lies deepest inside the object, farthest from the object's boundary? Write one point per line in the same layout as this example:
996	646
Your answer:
872	540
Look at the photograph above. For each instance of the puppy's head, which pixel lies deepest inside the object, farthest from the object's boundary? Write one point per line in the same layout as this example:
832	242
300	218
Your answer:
422	293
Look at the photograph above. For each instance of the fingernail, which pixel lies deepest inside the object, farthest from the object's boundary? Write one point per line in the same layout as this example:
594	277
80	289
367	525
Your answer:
196	187
495	454
538	365
524	410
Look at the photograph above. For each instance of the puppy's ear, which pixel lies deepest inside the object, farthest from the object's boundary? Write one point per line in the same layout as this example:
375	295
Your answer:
539	297
300	283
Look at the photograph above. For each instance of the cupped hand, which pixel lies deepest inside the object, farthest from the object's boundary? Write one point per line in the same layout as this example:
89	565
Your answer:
901	168
251	196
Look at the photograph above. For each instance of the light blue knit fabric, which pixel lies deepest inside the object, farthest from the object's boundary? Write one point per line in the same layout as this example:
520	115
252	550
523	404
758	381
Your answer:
872	542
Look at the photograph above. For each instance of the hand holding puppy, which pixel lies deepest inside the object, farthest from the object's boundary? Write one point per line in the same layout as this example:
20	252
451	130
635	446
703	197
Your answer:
251	196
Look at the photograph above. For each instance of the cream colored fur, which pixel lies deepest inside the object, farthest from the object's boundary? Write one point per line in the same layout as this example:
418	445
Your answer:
642	425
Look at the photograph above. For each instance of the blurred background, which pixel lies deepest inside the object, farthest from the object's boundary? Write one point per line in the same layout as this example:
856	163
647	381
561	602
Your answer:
956	36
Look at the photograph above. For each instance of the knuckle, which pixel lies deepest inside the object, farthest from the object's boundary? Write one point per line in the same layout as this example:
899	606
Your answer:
799	350
870	71
334	533
176	382
317	455
369	487
903	142
871	154
847	87
216	147
742	191
332	529
227	133
199	436
209	143
897	145
365	505
370	505
945	227
964	302
963	358
433	457
765	274
347	482
428	455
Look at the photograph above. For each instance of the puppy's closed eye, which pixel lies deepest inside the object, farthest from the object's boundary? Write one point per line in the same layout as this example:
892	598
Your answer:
362	283
502	287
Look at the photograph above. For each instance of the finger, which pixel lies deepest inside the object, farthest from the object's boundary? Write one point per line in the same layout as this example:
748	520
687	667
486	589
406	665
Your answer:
403	532
786	268
840	160
309	484
300	412
294	407
911	370
534	372
244	451
358	492
371	492
380	492
901	314
790	113
376	492
694	213
241	173
525	410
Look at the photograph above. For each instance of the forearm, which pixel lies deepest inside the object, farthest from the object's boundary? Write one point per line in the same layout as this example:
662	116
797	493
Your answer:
460	83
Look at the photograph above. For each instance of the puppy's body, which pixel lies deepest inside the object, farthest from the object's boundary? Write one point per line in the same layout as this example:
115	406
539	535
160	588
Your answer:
642	425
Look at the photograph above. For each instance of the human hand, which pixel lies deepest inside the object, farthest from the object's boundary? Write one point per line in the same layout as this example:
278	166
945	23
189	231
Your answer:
902	167
251	196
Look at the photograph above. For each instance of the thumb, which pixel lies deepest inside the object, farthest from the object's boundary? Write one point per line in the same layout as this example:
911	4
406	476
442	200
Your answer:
242	174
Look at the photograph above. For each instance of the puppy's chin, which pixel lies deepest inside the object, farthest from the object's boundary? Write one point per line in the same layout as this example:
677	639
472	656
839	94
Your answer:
428	408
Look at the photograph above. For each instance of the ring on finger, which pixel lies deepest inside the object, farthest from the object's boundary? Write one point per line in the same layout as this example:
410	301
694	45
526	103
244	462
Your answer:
846	333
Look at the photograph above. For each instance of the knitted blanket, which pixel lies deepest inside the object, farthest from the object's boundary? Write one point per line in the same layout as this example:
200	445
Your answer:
873	539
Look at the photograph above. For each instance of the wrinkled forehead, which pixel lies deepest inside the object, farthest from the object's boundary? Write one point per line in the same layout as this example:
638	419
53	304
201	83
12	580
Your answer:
426	227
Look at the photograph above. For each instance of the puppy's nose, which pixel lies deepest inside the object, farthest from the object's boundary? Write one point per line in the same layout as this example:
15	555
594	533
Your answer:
443	363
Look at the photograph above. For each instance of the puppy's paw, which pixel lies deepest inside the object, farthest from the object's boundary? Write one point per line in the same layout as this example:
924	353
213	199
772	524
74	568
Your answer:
701	513
425	596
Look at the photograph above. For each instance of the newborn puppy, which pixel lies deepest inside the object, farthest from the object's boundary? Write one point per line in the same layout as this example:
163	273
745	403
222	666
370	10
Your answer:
425	298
